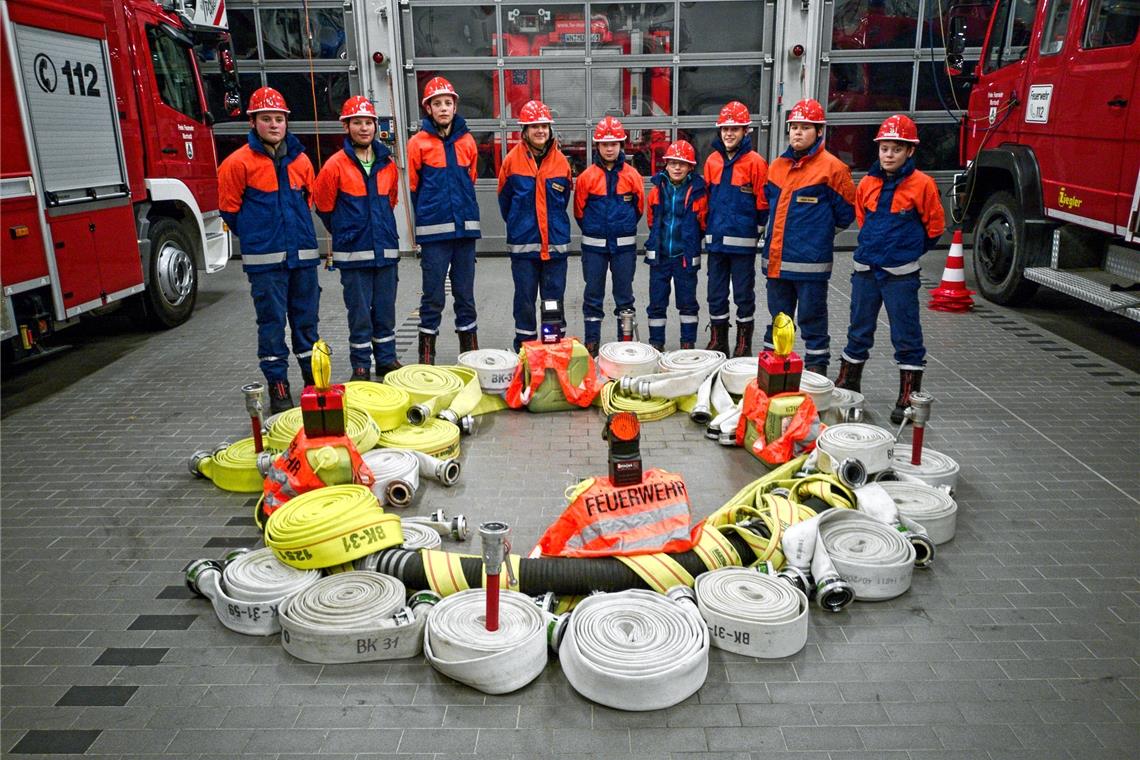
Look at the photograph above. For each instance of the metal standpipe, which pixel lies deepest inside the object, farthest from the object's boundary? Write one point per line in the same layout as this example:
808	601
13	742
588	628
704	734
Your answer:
495	537
627	318
918	413
254	402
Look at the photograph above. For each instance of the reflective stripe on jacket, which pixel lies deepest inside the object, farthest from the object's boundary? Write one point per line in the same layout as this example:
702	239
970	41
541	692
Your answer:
265	202
608	204
807	200
900	218
736	198
676	217
356	207
441	178
533	198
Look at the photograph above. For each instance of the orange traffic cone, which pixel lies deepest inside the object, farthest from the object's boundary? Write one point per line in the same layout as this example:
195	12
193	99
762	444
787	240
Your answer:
952	294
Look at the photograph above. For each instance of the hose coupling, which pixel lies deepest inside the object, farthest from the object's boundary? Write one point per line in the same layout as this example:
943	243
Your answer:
556	630
496	542
923	548
727	438
425	599
797	578
404	616
919	410
682	593
233	554
765	568
627	323
265	462
254	398
194	571
833	594
712	433
634	387
701	414
455	527
220	448
399	493
852	473
546	601
447	472
418	414
851	414
196	460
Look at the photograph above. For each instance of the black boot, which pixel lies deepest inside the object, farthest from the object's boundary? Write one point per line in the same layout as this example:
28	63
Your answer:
468	340
743	338
818	369
910	380
280	399
307	371
360	373
592	348
382	370
850	376
685	345
719	339
427	348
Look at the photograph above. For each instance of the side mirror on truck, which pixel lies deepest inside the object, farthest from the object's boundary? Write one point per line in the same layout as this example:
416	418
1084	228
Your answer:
956	46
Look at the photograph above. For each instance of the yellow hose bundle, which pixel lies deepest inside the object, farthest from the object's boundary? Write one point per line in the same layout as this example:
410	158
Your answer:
331	526
233	468
361	429
647	411
436	437
387	405
426	385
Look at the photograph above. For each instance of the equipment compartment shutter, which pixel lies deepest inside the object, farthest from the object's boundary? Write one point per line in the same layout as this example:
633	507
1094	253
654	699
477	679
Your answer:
71	104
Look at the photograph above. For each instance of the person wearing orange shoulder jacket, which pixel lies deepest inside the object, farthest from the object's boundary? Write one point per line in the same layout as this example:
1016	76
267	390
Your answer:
534	190
264	190
354	196
442	162
810	197
900	218
735	175
609	198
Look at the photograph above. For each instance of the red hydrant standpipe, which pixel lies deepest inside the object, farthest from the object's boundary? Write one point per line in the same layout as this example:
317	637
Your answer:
496	546
254	393
627	320
918	413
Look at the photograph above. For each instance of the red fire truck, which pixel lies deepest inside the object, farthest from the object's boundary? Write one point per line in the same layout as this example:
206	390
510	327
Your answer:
108	179
1051	139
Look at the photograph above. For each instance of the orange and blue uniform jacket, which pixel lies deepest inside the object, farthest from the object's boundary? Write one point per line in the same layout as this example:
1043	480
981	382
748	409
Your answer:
441	178
808	199
608	204
533	198
265	202
356	207
900	218
677	216
736	198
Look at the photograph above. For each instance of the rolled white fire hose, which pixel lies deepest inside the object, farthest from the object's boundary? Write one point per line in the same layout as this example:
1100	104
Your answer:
846	406
819	388
933	507
735	374
351	617
636	649
868	445
493	366
726	385
443	471
681	374
416	536
874	500
247	593
458	644
751	613
627	358
810	568
936	470
397	476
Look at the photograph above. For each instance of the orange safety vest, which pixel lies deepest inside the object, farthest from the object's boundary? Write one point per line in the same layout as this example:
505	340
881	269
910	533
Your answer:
798	436
604	520
292	475
538	357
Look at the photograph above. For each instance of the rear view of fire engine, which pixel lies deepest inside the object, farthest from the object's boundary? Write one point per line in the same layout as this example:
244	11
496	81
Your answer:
107	173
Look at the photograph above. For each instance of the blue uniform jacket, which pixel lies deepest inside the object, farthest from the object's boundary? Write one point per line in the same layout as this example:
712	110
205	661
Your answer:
441	178
900	218
356	207
676	220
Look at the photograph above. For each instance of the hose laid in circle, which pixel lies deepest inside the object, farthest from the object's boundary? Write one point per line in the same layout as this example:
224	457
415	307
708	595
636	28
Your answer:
351	617
870	445
231	468
431	389
330	526
933	507
458	644
874	558
493	366
397	476
737	373
936	470
636	650
437	437
682	373
819	388
247	593
627	358
359	426
387	405
647	410
874	500
753	614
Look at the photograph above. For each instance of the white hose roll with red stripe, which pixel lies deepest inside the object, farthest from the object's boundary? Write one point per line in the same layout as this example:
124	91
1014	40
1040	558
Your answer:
351	617
872	446
458	644
751	613
933	507
493	366
636	649
627	358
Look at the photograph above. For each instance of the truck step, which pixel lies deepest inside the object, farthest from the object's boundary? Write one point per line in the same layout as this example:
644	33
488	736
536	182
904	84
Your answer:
1123	262
1082	285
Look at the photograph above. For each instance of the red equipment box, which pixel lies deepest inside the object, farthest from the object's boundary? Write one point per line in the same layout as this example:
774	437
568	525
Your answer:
779	374
322	412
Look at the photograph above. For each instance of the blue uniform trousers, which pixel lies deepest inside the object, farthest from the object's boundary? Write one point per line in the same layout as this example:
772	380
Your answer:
899	293
531	277
436	258
280	295
805	301
370	297
740	269
667	273
594	266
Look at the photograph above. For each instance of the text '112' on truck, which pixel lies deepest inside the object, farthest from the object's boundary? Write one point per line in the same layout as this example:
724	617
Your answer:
1051	142
108	176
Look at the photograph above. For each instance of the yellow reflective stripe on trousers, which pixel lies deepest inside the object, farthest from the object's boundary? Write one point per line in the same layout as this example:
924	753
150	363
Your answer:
659	571
331	526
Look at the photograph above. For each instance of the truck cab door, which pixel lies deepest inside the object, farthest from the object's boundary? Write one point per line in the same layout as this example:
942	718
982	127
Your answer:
1004	64
182	142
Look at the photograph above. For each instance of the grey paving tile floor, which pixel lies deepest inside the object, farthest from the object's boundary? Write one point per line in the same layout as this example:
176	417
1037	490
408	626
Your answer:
1019	643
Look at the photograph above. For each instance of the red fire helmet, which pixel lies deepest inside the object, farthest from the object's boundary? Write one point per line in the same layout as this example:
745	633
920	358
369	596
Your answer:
266	99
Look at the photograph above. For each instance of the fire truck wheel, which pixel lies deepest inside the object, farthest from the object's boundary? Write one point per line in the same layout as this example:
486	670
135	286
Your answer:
172	280
1002	251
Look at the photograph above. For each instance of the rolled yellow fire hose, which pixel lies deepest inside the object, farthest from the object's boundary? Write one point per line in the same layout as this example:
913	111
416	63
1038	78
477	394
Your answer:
360	427
648	410
387	405
331	526
437	437
233	468
431	389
